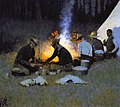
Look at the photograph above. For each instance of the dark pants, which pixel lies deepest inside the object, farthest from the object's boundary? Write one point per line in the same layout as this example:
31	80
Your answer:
30	68
25	69
76	62
110	55
98	57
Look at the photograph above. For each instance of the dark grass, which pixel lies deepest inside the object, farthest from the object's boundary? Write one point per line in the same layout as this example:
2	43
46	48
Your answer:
103	89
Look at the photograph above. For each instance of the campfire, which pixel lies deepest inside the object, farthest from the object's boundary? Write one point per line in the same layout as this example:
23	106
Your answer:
47	49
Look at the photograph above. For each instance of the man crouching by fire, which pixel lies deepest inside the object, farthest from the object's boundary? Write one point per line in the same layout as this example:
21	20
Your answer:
65	58
25	59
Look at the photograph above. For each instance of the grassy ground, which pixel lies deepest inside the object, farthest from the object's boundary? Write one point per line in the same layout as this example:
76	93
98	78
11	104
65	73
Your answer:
103	89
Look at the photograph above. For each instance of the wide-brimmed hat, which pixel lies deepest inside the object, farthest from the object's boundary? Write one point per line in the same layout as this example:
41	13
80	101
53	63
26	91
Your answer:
93	35
55	41
79	36
35	40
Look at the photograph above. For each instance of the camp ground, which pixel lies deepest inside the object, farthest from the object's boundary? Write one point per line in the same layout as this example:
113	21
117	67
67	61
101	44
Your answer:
95	85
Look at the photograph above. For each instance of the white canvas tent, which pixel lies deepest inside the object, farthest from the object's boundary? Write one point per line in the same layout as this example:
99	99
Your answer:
112	22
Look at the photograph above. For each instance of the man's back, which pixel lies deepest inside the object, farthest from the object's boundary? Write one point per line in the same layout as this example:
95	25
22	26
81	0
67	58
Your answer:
85	48
64	56
97	44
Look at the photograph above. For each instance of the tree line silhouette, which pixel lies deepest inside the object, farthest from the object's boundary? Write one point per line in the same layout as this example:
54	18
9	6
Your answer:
28	10
84	10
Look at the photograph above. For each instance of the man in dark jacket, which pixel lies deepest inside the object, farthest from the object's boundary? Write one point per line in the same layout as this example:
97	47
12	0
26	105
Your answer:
25	58
65	58
111	46
98	49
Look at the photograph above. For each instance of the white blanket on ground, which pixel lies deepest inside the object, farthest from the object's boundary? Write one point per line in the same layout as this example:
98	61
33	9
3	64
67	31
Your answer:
27	82
38	80
71	78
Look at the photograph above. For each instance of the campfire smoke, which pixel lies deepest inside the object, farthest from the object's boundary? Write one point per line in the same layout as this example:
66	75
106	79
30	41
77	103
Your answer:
65	24
66	19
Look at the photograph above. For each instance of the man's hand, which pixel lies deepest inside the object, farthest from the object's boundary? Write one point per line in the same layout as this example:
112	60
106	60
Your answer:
104	42
109	52
43	62
32	65
36	65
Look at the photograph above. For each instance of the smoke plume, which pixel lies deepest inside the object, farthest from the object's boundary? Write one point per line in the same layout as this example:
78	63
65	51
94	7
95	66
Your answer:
66	19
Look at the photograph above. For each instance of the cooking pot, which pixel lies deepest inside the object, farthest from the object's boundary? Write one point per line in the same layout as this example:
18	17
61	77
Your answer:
80	70
85	63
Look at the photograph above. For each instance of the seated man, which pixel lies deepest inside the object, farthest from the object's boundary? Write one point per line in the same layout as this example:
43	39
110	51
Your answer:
85	50
65	58
23	58
111	45
98	49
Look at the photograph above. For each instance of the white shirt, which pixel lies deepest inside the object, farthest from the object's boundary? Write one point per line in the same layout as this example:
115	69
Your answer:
85	48
99	52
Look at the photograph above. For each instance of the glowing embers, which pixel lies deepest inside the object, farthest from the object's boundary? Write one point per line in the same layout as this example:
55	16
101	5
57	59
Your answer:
53	35
47	51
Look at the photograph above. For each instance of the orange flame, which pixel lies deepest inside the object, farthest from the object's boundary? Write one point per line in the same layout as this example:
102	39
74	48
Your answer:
48	50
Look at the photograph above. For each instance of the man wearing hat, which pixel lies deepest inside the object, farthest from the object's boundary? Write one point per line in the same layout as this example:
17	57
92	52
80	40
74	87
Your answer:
85	50
23	58
97	45
63	54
